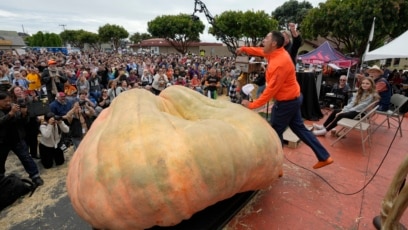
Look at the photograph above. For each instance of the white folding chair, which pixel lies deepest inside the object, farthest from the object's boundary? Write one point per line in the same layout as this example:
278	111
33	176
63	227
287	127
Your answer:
361	122
397	101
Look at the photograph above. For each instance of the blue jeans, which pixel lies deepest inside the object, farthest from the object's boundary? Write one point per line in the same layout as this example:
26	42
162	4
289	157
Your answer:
287	113
21	150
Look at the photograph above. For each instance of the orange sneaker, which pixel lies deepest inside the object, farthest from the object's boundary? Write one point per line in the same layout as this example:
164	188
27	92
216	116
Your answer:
323	163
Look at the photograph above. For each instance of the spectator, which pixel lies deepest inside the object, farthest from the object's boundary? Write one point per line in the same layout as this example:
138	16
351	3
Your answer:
18	96
80	119
293	41
95	86
51	146
260	82
103	102
12	134
366	94
61	105
122	88
5	82
53	79
20	80
159	82
382	86
212	82
34	78
195	84
82	83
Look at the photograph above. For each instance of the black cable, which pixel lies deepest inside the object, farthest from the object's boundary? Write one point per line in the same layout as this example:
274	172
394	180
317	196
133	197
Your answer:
369	181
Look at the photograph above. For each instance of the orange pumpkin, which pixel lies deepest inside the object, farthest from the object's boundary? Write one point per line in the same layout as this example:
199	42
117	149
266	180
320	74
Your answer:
156	160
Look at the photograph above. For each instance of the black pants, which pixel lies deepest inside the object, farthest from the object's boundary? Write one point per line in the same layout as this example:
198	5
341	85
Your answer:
49	154
332	120
32	130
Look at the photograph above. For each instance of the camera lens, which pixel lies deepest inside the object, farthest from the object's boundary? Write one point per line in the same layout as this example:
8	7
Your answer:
21	102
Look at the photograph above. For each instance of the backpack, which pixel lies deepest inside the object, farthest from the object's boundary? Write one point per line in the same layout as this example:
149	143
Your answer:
12	188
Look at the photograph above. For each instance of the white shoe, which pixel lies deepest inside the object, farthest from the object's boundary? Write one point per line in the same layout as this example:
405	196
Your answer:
320	132
317	126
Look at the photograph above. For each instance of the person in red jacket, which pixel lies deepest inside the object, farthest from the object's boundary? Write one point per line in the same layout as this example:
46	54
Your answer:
281	84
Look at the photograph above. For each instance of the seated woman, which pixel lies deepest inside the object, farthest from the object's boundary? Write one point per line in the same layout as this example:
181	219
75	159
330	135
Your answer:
365	95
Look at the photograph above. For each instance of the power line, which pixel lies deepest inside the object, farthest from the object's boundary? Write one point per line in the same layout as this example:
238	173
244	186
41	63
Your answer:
63	26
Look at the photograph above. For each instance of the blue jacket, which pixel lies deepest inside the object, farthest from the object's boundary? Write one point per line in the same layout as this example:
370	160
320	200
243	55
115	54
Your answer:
385	96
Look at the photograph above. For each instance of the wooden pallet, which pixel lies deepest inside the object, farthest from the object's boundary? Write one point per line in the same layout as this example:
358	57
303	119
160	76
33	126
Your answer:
290	139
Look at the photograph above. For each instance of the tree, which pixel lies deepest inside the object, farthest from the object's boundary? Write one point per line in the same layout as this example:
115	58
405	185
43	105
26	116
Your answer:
179	30
291	11
71	37
138	37
255	25
347	23
112	33
78	38
90	38
45	40
251	27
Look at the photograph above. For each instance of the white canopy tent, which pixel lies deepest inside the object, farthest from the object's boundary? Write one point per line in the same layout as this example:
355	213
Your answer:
397	48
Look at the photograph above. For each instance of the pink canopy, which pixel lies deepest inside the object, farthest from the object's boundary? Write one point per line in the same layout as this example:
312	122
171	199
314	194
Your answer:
325	54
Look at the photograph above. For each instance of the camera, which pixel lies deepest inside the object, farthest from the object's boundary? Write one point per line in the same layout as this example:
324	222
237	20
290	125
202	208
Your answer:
58	118
21	102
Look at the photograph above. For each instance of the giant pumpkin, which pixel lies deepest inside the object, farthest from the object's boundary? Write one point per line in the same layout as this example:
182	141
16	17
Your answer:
156	160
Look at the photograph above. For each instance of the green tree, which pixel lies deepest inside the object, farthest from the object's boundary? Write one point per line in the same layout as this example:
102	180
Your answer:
138	37
92	39
255	25
71	37
233	26
291	11
45	40
179	30
347	23
112	33
227	27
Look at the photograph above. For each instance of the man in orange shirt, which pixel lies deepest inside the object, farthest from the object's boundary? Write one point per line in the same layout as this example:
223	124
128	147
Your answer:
281	84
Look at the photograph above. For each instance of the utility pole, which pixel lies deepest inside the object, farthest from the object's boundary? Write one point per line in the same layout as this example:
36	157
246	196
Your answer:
63	26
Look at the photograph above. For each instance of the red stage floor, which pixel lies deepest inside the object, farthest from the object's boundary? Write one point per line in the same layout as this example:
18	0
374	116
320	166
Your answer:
344	195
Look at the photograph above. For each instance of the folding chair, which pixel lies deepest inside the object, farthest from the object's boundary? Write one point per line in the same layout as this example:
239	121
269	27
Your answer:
361	122
397	101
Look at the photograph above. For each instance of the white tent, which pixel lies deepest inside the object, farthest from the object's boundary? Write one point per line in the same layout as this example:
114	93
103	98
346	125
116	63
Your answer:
397	48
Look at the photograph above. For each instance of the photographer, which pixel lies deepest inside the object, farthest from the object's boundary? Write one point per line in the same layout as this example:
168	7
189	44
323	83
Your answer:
19	97
80	119
12	134
51	147
53	79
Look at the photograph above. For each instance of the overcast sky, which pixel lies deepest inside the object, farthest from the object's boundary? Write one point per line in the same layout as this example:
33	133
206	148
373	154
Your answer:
53	16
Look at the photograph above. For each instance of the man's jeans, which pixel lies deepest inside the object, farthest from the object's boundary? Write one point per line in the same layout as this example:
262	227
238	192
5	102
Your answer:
287	113
21	150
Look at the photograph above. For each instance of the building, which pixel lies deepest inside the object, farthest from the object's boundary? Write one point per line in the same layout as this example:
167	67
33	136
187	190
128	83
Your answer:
11	40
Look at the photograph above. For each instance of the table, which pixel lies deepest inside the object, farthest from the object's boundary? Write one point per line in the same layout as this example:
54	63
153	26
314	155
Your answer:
310	107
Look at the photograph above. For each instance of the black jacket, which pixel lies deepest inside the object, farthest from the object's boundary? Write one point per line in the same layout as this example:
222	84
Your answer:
12	126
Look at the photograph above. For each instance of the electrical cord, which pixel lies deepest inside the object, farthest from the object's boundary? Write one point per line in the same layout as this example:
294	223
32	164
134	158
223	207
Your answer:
369	181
